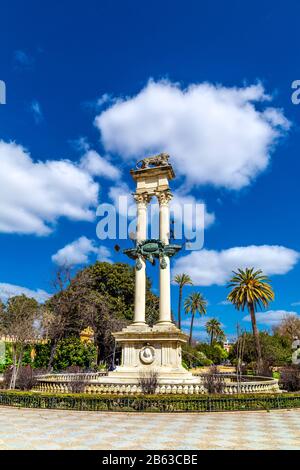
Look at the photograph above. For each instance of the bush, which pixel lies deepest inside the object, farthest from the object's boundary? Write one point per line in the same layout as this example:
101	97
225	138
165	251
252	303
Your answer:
213	381
193	358
148	382
276	350
73	352
150	403
27	377
215	353
290	378
42	357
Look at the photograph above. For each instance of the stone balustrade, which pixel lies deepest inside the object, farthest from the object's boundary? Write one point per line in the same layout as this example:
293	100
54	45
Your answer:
62	383
65	377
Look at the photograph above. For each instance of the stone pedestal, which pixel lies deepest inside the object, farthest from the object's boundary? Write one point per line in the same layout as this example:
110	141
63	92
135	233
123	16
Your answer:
146	349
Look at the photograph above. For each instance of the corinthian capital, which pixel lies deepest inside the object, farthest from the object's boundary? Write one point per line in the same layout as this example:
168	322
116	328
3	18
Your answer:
142	198
164	197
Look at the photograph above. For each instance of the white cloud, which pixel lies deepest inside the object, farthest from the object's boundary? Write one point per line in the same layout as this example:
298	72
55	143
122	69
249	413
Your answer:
79	251
33	195
208	267
36	110
214	134
295	304
23	59
104	254
271	317
10	290
96	165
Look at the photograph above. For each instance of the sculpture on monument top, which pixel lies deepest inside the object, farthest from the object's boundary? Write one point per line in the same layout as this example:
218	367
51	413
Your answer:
162	159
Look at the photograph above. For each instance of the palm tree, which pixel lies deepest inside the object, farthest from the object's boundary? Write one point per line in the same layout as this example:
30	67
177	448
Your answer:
213	328
182	280
194	303
251	289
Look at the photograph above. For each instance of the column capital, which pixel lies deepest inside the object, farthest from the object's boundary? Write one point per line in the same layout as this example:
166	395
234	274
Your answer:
142	198
164	197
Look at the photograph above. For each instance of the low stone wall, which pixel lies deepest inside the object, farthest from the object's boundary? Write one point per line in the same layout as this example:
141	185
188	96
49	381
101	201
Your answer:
65	377
64	384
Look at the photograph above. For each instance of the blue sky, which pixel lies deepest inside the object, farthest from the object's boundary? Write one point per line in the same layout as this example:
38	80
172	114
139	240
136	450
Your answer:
93	86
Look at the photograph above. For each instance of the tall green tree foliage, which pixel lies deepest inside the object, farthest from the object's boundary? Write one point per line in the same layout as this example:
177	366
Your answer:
181	280
214	329
251	289
19	320
194	303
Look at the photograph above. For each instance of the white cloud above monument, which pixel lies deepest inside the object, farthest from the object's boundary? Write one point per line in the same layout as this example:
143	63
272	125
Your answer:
215	135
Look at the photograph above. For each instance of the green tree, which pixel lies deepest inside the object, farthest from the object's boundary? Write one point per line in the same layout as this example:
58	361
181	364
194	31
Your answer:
116	283
73	352
215	352
213	328
100	296
289	327
193	357
19	320
194	303
251	289
182	280
276	349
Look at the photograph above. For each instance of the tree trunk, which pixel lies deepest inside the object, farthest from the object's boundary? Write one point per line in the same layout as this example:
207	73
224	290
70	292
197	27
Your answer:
16	366
211	338
191	330
179	307
13	372
256	337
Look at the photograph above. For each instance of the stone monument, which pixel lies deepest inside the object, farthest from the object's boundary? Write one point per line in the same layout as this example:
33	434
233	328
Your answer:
158	348
146	349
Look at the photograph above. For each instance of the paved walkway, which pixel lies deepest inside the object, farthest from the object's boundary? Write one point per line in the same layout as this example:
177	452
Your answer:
51	429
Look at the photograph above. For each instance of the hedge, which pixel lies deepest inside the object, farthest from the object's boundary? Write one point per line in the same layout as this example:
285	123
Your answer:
149	403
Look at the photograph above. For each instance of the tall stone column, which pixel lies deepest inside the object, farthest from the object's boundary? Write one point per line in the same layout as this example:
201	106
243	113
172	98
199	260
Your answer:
164	198
140	272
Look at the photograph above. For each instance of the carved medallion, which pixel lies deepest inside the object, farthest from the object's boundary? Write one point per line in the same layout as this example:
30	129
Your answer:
147	354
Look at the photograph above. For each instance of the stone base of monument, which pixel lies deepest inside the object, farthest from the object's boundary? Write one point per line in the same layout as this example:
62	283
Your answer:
151	349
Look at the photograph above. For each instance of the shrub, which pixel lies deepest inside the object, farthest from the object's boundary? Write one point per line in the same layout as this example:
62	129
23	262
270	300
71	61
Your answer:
73	352
148	381
290	378
148	403
213	381
42	357
215	353
276	350
193	358
27	377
